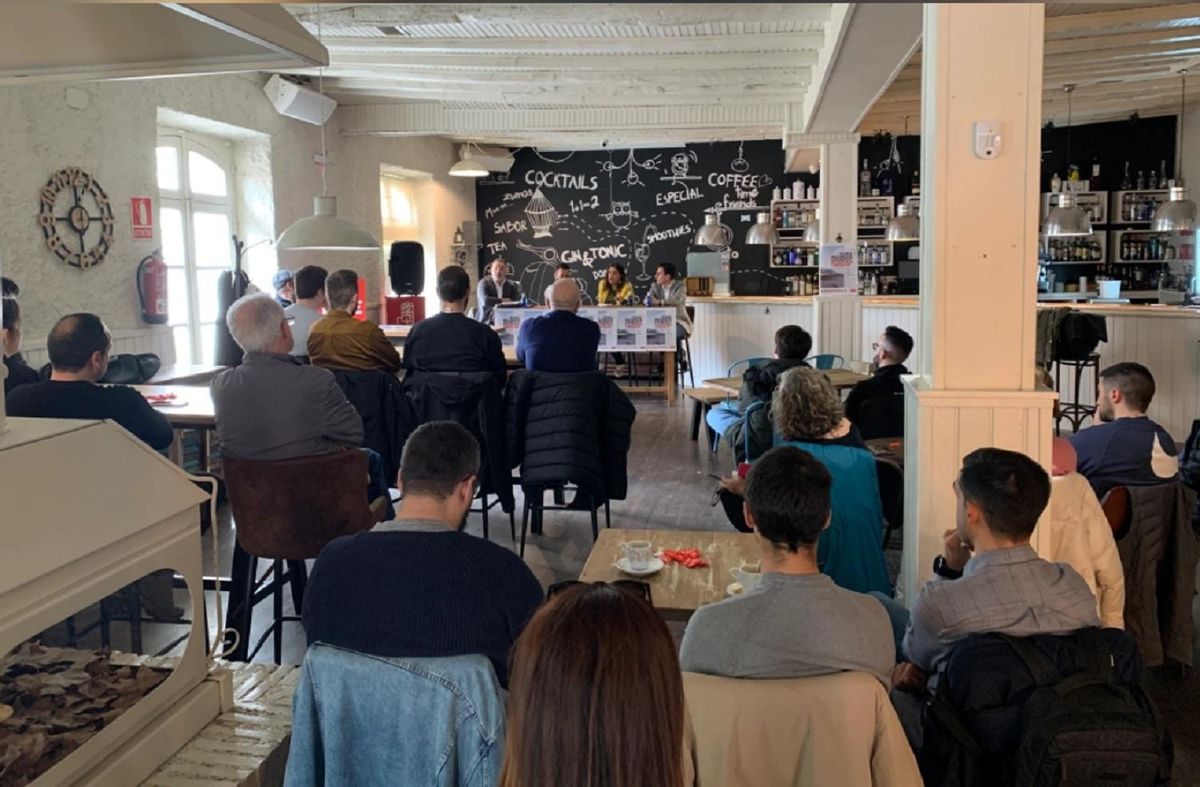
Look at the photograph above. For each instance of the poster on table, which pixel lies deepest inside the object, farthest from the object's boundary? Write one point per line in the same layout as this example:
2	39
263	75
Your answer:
634	329
839	270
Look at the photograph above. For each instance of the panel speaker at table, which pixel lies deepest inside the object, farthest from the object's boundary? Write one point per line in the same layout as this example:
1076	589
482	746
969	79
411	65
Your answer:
406	267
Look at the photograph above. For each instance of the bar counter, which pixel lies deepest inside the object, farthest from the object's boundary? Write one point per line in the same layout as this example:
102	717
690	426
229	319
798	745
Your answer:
1166	339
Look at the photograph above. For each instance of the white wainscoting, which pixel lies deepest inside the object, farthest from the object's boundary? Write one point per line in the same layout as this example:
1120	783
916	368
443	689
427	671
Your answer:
875	318
838	326
157	340
729	332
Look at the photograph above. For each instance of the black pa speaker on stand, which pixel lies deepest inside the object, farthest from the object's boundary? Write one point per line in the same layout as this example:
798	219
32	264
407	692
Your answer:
406	267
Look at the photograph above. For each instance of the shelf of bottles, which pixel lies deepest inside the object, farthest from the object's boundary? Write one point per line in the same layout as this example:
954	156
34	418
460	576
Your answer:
874	213
1136	207
877	254
1133	246
875	283
793	215
913	201
1093	203
795	256
803	284
1088	250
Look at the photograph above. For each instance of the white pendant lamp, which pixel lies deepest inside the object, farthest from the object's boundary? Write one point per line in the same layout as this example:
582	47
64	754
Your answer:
812	230
1067	219
1178	213
324	231
762	232
903	226
469	167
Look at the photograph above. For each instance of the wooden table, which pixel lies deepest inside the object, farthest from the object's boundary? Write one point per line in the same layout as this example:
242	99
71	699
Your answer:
196	412
841	379
676	591
186	374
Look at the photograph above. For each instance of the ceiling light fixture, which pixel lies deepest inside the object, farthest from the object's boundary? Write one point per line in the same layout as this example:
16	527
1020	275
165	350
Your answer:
469	166
903	226
1178	213
323	230
713	234
1067	219
762	232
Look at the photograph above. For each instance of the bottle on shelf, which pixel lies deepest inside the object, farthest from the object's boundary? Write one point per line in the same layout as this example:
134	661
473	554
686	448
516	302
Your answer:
864	180
1153	182
916	183
1126	181
1055	183
1162	173
1141	180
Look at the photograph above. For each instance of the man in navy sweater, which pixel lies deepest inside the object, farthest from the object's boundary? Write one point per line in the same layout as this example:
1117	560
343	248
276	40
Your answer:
417	586
560	340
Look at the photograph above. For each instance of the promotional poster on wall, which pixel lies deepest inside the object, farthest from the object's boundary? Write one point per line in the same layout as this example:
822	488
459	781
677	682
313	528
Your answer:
839	270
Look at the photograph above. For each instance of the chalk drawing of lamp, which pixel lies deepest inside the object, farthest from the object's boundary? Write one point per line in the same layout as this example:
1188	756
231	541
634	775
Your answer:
541	214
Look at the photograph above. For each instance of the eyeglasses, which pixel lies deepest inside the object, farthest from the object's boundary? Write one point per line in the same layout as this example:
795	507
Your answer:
640	589
874	345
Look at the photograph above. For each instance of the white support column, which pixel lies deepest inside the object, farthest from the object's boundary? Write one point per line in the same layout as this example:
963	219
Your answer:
837	319
980	62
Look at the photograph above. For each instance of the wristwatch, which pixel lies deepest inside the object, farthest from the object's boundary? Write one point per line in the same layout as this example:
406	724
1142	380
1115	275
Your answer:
943	570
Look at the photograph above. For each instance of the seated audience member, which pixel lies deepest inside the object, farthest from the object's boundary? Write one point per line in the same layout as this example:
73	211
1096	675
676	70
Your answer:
792	346
9	288
563	271
807	413
596	696
273	406
1126	448
78	346
614	289
799	622
494	289
451	341
989	579
560	340
339	341
891	351
667	290
418	586
19	373
285	287
306	311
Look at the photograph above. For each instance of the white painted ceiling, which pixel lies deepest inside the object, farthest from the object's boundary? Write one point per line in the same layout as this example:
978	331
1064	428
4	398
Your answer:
570	73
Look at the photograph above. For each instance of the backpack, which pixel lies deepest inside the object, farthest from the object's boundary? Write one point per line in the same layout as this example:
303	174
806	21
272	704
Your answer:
1041	711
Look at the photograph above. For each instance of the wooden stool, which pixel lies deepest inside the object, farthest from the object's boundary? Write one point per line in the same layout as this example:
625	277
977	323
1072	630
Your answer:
1074	410
704	399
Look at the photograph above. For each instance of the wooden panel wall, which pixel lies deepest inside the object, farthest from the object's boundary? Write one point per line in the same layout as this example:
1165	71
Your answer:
730	332
876	318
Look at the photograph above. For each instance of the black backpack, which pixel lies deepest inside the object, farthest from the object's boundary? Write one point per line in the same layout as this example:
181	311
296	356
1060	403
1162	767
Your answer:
1044	711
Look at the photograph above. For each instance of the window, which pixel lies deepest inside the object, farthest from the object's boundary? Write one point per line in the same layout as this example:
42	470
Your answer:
195	188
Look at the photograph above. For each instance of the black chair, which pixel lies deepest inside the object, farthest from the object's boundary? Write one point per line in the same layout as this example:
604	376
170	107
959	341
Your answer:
683	352
882	416
386	414
891	495
1074	410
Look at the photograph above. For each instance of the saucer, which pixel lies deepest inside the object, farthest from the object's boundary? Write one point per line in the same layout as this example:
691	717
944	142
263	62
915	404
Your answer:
656	565
734	589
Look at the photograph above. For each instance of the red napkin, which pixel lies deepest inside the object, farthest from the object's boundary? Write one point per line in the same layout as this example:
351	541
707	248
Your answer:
690	558
157	398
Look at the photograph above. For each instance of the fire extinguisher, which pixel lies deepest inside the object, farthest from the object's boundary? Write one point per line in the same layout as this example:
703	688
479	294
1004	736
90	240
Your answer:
152	288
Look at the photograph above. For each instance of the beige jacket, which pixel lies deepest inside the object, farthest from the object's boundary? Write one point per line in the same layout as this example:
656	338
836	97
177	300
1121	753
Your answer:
837	729
1081	537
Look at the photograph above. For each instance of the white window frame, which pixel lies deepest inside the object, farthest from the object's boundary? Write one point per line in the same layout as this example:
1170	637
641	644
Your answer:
188	204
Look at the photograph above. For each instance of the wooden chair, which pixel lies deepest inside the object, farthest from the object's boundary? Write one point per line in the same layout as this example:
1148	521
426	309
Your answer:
1118	510
286	511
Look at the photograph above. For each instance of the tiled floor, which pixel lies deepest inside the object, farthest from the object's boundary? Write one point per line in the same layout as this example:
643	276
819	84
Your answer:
670	488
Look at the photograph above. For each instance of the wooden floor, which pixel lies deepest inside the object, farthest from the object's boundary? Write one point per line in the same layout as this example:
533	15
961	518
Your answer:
669	488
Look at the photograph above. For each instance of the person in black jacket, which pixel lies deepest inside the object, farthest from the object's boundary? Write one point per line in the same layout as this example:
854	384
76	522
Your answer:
78	346
451	341
891	351
792	346
19	373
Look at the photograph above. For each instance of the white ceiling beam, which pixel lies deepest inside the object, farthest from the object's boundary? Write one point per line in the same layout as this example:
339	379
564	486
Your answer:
686	79
1105	19
636	14
767	42
621	98
541	62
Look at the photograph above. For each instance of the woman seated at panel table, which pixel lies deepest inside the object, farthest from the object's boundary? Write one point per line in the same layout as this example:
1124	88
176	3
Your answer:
807	412
614	289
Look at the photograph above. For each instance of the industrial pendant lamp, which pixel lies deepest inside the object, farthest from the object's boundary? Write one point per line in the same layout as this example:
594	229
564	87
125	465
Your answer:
713	234
1067	219
762	232
812	230
903	226
469	166
1178	213
324	231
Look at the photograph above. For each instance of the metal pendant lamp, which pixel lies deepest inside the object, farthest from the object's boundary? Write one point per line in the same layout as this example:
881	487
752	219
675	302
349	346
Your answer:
713	234
1067	219
903	226
812	230
762	232
1178	213
469	166
324	230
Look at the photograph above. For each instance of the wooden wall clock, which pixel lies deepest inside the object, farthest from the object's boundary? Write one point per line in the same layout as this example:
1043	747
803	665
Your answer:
76	218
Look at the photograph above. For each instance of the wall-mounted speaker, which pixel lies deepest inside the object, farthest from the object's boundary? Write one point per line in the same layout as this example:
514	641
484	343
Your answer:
406	267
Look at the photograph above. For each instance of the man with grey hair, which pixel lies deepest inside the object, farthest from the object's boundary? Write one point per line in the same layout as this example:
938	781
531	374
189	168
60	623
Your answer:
561	340
274	406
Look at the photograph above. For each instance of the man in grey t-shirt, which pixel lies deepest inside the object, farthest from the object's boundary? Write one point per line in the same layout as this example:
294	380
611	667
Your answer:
310	300
799	623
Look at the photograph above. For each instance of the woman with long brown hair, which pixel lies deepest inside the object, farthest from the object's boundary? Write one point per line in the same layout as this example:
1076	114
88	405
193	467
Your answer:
595	695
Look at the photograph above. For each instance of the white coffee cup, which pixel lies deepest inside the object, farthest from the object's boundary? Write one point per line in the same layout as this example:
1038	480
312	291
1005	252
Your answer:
748	575
637	554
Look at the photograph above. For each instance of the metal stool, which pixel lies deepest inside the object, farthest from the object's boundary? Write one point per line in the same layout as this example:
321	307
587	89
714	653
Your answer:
1074	410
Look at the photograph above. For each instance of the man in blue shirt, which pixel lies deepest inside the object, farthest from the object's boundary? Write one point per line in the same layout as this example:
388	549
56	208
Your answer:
1126	448
561	340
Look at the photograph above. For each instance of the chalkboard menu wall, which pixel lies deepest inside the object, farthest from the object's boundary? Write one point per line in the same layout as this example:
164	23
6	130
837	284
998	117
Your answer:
637	207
